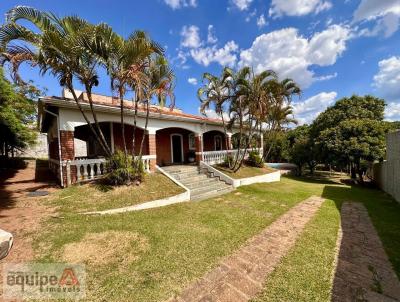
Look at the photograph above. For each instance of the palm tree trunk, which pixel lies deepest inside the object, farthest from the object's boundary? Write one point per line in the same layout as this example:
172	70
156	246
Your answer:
71	88
89	94
121	100
144	132
134	125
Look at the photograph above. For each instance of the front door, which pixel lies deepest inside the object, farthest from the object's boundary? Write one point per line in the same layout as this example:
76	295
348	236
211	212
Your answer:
176	146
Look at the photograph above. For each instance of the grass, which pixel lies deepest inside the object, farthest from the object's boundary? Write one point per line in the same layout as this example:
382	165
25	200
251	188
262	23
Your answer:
174	245
244	171
97	197
305	273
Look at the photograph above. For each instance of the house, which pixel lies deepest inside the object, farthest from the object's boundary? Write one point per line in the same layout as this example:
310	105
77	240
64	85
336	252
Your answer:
172	136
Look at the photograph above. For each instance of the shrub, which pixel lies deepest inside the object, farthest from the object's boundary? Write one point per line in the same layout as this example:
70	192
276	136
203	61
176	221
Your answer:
123	170
227	161
254	160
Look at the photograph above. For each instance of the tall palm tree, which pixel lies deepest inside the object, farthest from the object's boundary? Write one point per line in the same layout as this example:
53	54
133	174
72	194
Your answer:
216	93
251	104
126	61
281	111
160	86
55	50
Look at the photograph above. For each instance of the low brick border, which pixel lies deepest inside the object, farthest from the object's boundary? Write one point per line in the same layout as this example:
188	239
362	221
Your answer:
240	276
363	271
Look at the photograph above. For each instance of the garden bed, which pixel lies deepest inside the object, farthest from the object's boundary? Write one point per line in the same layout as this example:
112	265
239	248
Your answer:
155	186
246	175
245	171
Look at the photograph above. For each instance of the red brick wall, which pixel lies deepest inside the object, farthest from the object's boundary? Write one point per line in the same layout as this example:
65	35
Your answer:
118	144
67	151
67	145
163	144
208	140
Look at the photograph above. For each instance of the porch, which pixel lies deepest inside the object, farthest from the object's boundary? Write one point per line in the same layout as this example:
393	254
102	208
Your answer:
83	159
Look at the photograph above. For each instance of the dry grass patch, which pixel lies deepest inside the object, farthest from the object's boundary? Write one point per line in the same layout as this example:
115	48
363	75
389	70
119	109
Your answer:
107	247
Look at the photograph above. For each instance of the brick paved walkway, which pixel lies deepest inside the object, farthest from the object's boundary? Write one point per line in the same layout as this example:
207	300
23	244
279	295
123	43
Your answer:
363	271
241	276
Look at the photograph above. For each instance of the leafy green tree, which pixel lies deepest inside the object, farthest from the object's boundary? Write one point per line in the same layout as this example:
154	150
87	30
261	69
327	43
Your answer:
354	140
350	132
17	117
301	148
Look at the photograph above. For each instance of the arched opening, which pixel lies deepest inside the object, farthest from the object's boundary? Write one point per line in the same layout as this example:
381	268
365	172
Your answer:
113	135
175	146
214	141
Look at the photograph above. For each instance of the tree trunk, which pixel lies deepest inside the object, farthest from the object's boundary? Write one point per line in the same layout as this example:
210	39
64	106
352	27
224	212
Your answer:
71	88
121	101
89	93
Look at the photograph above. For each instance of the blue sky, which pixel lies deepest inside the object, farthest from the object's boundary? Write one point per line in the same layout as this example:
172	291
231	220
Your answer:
331	48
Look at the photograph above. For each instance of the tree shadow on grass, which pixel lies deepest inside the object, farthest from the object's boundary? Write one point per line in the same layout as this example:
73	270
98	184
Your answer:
384	213
315	180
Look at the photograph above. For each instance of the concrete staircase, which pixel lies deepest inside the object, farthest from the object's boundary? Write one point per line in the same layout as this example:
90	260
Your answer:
201	185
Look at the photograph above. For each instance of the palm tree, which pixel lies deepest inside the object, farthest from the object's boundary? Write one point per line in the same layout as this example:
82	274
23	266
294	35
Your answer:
281	110
216	93
55	50
126	61
160	85
250	105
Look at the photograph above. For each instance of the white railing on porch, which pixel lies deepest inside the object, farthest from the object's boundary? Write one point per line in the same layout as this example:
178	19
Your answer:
91	169
218	157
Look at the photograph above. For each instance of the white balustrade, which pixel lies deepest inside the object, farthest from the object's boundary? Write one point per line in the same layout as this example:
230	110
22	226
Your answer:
90	169
218	157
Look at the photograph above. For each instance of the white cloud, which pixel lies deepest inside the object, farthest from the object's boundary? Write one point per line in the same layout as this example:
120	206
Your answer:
327	77
305	112
192	81
211	38
175	4
291	54
242	4
210	113
387	80
225	56
392	112
250	15
261	22
297	8
202	54
385	13
190	36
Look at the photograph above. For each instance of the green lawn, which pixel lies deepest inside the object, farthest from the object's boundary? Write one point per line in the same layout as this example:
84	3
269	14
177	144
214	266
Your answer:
244	171
98	197
150	255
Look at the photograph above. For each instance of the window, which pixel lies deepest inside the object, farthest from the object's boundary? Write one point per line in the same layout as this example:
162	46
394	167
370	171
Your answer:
192	142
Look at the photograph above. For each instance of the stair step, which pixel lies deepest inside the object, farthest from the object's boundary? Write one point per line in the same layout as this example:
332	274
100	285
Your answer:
202	185
191	178
181	169
208	188
211	194
198	183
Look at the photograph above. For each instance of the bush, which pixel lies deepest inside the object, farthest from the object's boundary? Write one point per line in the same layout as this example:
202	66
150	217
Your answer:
254	160
227	161
123	170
